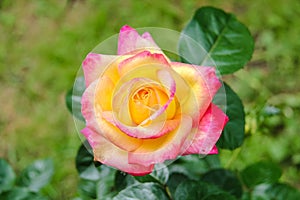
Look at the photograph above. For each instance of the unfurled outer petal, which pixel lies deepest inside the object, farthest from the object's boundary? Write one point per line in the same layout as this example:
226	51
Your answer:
130	41
203	82
94	65
164	148
92	113
208	133
144	58
109	154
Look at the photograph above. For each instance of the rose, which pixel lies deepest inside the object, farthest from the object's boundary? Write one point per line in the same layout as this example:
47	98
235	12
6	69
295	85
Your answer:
142	109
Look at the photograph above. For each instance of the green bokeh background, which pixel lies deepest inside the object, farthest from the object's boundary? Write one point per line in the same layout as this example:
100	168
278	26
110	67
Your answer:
42	45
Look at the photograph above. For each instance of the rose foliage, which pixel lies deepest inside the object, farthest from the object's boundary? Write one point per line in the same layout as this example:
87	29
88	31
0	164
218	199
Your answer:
143	110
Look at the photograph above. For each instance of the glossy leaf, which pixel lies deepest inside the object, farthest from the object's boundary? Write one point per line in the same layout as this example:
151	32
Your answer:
73	98
144	191
277	191
233	134
7	176
100	188
216	38
85	163
160	174
37	175
224	179
260	172
123	180
193	166
105	187
194	190
88	188
174	180
280	191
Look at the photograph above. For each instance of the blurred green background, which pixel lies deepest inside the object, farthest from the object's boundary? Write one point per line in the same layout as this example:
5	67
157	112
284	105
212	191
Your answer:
42	45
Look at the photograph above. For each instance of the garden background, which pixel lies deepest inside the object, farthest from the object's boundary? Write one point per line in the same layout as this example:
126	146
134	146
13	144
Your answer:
42	45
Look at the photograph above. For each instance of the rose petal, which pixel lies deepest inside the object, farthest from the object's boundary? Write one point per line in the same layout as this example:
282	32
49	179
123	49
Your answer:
109	154
130	40
141	59
93	116
214	150
203	82
94	65
103	93
154	130
209	131
164	148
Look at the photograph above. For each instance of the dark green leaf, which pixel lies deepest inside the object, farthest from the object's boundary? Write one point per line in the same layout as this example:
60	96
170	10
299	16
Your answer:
257	193
85	163
73	98
277	191
123	180
224	179
144	191
260	172
174	180
160	174
216	38
233	134
281	191
106	182
193	165
20	193
192	190
7	176
88	188
37	175
100	188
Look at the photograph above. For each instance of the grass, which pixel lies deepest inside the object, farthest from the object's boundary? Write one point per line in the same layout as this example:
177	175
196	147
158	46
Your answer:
42	44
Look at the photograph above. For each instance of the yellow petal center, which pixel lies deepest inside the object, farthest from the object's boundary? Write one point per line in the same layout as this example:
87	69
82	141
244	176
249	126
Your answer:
146	100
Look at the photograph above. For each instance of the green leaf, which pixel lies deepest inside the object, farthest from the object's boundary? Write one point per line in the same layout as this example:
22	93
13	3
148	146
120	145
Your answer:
277	191
105	187
21	193
123	180
260	172
216	38
225	180
280	191
233	134
193	165
88	188
100	188
37	175
174	180
7	176
73	98
85	163
160	174
193	190
144	191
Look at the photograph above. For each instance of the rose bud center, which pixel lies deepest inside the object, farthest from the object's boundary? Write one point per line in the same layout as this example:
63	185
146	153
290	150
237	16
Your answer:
146	100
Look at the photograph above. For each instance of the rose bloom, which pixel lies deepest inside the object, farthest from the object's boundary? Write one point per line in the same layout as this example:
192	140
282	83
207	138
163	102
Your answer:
142	109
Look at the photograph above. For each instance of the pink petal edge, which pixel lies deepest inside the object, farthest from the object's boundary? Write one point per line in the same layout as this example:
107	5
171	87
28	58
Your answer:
94	65
168	151
130	40
95	121
106	153
205	78
210	128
